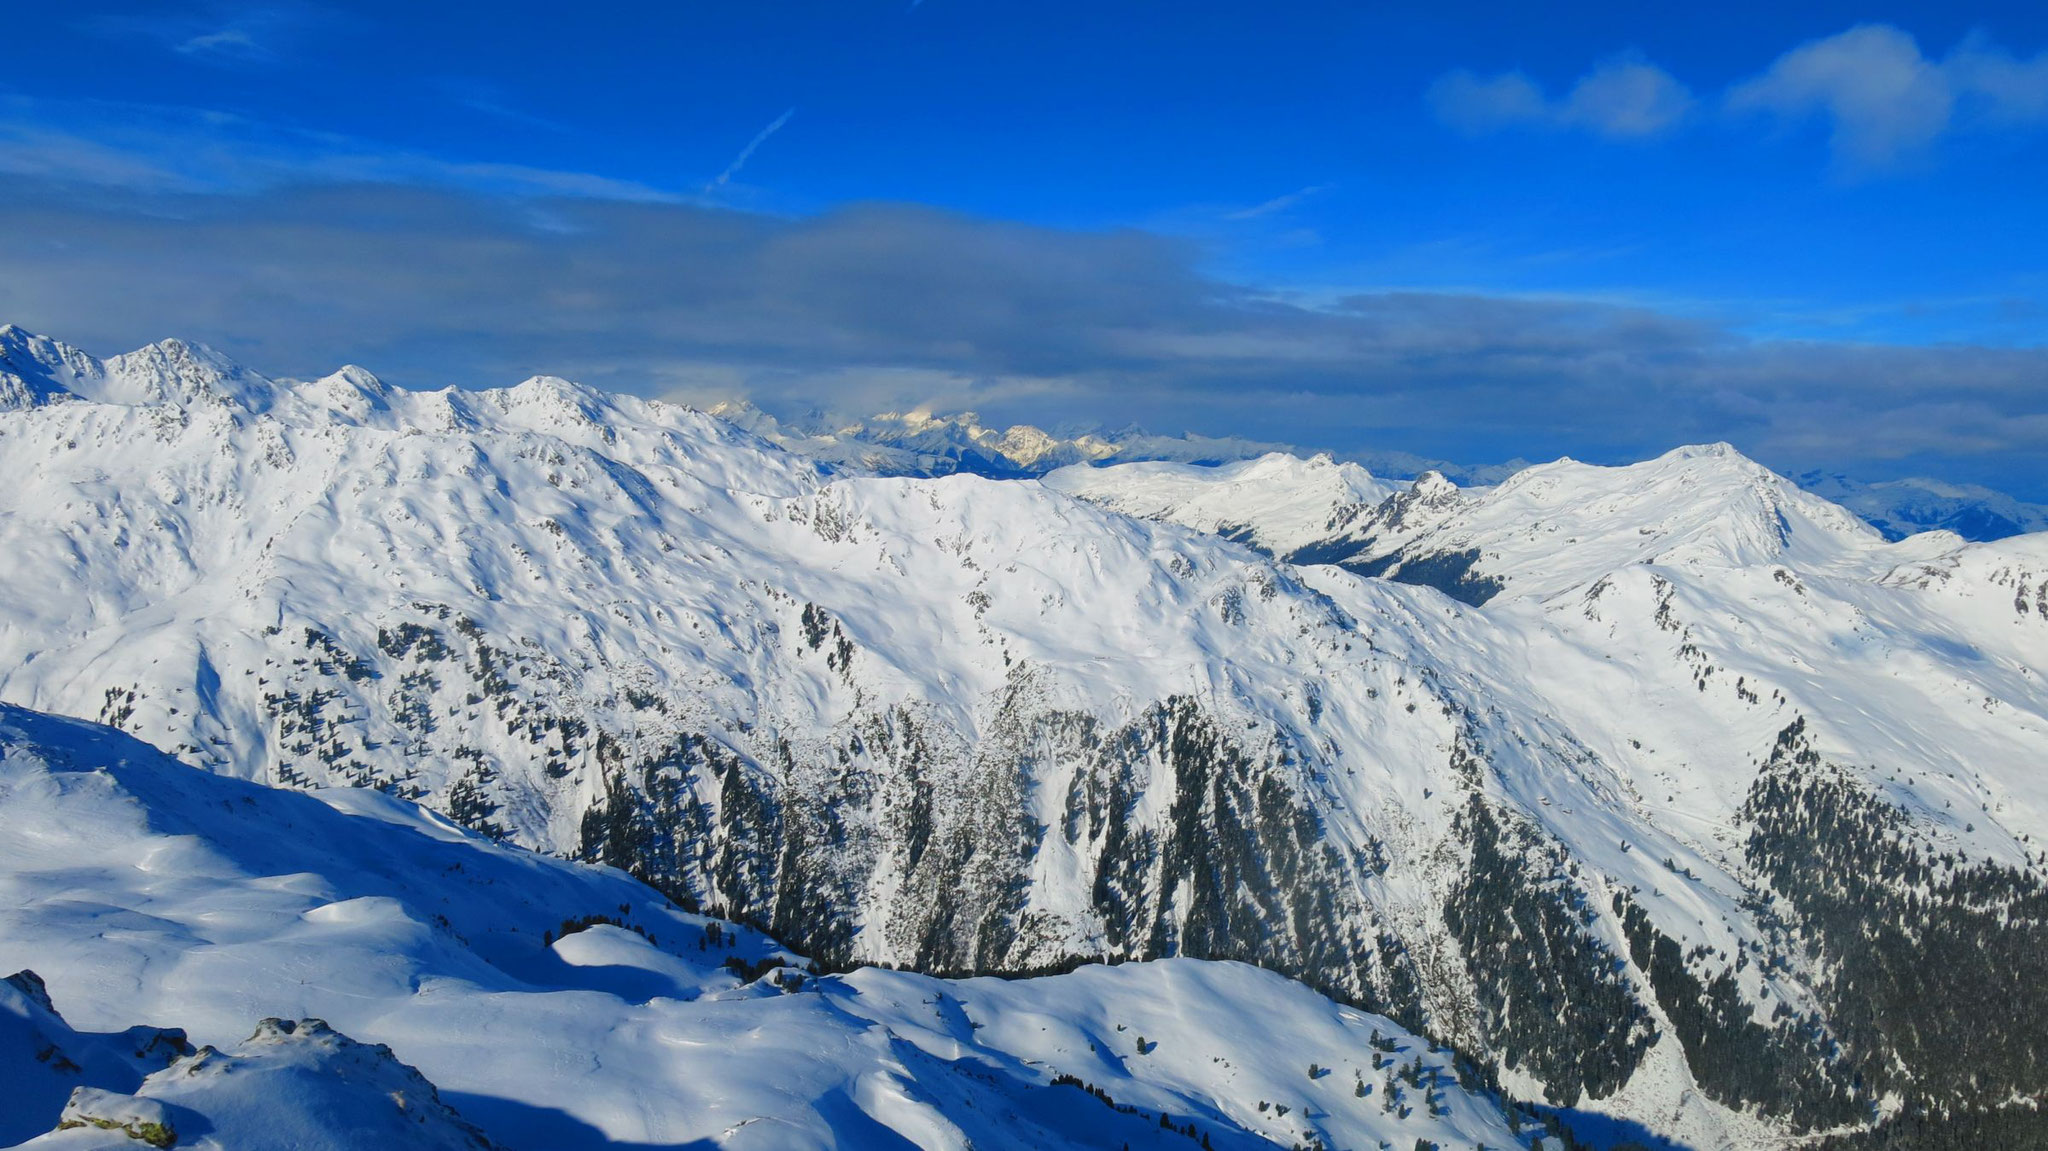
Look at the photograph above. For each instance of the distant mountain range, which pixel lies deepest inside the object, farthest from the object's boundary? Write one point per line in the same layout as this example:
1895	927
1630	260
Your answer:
921	443
1898	508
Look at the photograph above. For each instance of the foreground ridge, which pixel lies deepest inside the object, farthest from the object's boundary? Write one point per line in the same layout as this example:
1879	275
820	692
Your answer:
560	1005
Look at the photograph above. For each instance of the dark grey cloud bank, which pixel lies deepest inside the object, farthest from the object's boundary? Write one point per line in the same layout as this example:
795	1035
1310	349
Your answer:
869	307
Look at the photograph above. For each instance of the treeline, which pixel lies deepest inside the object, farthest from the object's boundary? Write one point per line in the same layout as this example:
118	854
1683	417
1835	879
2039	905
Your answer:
1786	1070
1935	968
1552	997
2017	1128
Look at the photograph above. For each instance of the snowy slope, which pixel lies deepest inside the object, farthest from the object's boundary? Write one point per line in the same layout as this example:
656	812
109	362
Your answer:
1277	503
1546	530
968	726
147	890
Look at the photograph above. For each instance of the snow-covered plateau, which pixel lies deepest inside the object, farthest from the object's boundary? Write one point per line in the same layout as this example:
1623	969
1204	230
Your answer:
1667	792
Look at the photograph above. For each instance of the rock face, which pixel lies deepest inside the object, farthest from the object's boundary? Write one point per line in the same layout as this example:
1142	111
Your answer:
299	1084
968	726
45	1063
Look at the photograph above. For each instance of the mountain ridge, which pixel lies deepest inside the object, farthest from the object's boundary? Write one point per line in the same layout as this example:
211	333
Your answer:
924	443
972	725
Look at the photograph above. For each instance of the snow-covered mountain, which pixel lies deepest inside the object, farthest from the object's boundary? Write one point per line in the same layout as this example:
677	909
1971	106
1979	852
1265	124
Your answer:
1547	530
1596	832
1280	504
361	974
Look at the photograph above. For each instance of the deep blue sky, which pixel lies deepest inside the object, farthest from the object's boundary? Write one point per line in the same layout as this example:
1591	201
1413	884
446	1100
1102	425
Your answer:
1475	231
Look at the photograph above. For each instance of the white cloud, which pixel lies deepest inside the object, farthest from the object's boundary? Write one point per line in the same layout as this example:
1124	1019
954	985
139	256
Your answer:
1623	98
2002	89
1626	98
1473	103
1887	101
231	42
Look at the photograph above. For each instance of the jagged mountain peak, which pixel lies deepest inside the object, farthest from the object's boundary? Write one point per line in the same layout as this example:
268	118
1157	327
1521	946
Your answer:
350	392
358	377
925	442
552	397
36	370
176	373
175	357
1433	485
555	389
182	374
1719	449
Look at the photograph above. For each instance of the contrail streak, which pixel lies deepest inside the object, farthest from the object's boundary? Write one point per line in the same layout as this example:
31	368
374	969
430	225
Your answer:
740	160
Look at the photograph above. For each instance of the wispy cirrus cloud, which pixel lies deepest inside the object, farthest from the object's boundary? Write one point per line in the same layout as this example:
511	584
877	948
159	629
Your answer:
1278	204
233	43
228	35
491	100
160	149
